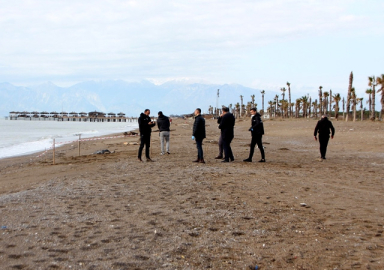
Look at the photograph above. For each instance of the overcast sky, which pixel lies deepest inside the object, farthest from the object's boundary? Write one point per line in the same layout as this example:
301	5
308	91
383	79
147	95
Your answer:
259	44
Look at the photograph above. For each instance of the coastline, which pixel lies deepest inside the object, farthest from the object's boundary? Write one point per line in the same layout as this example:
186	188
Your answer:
112	212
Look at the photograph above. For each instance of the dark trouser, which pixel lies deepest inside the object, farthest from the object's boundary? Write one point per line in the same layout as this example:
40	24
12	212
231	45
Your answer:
256	139
323	140
199	146
221	146
227	149
144	140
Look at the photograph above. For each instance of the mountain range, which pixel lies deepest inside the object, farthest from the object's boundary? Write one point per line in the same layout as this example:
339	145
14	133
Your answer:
131	98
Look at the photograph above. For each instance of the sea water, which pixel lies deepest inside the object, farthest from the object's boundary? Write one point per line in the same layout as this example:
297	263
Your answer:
22	137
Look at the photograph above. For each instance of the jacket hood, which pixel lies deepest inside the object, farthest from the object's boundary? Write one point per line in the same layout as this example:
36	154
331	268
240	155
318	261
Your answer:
143	115
258	115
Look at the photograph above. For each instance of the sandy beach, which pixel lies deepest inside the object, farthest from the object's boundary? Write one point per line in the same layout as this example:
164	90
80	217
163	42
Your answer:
112	212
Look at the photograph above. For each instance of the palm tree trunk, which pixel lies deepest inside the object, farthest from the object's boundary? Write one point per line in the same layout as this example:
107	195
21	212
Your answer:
349	95
373	112
330	103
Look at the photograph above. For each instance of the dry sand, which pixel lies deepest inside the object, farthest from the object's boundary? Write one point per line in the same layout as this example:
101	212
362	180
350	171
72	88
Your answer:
112	212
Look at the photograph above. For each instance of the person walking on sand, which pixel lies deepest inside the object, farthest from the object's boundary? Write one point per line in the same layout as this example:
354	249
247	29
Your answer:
163	124
220	155
257	131
324	128
227	125
198	135
145	127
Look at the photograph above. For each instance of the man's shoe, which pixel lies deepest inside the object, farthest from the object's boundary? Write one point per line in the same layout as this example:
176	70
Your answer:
247	160
202	160
219	157
262	160
168	153
197	160
225	160
140	159
149	160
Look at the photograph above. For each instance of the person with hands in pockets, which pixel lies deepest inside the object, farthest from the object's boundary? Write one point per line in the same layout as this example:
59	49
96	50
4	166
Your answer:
257	131
198	135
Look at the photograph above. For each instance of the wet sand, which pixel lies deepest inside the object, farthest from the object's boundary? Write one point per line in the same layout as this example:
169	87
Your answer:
112	212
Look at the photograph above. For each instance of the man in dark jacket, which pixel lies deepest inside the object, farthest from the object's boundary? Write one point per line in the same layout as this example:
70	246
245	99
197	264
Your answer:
257	131
227	124
324	128
163	124
145	127
221	150
198	134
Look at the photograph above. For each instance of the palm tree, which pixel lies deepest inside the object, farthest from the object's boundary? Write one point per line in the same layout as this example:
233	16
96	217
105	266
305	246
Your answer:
372	83
253	101
360	100
270	109
284	108
326	95
289	99
369	101
380	81
248	108
337	98
276	104
343	108
237	109
321	99
241	105
304	99
297	107
314	104
349	95
262	99
354	102
283	94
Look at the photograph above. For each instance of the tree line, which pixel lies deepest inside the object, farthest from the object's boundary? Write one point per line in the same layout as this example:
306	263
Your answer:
325	103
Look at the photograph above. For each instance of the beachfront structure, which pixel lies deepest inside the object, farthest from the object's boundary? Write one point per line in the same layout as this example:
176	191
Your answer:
72	116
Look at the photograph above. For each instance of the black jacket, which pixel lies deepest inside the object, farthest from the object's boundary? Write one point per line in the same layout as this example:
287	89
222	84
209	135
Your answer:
257	127
324	127
163	123
144	127
199	127
227	124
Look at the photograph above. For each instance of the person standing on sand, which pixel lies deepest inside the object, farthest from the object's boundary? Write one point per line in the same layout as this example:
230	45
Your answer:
220	155
227	125
145	127
198	134
257	131
324	128
163	124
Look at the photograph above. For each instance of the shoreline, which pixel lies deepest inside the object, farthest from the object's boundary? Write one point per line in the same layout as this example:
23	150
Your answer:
61	141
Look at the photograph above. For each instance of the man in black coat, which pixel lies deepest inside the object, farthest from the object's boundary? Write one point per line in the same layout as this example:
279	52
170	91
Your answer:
198	134
324	128
257	131
221	149
145	127
227	125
